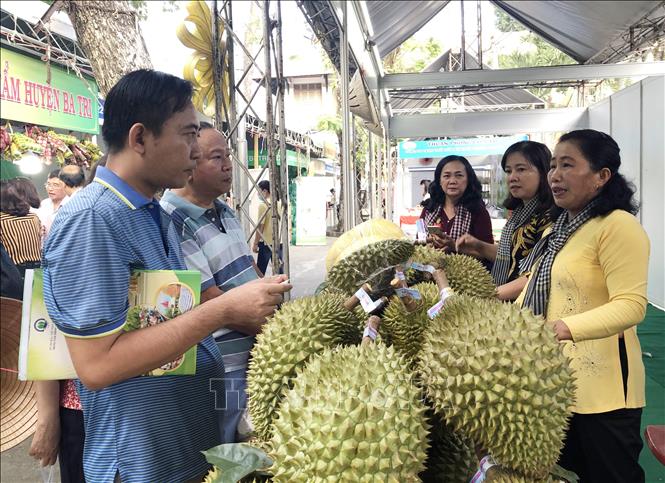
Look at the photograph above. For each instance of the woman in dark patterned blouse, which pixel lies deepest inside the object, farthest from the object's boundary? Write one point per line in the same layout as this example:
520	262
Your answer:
456	205
526	164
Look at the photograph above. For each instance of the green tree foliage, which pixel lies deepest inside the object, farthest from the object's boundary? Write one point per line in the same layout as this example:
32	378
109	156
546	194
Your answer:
142	8
412	56
535	52
542	54
506	23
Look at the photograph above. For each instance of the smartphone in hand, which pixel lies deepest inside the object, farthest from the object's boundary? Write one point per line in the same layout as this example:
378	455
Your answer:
435	230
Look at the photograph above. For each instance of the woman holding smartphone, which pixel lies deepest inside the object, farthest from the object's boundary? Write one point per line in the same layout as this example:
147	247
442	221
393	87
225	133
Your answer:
526	164
455	206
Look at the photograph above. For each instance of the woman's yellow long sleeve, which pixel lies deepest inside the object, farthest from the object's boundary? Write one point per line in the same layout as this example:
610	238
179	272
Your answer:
623	257
598	288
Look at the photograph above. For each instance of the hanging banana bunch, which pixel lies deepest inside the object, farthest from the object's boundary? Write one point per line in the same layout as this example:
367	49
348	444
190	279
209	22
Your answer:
199	68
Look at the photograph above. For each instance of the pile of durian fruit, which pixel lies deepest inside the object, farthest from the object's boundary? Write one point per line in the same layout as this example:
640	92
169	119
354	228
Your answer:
426	398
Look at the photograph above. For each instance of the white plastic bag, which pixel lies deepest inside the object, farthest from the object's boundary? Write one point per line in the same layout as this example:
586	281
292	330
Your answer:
48	474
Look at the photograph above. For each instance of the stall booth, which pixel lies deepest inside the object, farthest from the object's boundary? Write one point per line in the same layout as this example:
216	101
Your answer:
50	116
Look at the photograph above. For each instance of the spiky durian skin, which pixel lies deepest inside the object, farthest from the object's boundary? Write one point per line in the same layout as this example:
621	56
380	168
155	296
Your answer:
450	458
212	475
425	255
373	263
404	329
497	374
215	473
497	474
298	330
353	415
465	274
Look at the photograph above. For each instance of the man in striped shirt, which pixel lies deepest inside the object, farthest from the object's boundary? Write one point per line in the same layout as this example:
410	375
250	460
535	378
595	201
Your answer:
137	428
213	242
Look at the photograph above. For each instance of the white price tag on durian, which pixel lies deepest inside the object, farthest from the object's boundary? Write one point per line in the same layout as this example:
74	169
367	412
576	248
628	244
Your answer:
412	292
422	268
366	301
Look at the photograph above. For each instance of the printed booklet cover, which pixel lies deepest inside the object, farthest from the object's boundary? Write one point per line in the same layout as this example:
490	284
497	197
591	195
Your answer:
154	296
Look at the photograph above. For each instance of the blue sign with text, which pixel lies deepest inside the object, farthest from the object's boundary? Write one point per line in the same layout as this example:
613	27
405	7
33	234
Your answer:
439	148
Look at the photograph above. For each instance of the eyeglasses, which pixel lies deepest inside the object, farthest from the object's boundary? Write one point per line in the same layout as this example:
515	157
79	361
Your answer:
54	185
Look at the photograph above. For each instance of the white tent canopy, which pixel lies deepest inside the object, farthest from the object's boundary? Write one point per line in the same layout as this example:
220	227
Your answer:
582	29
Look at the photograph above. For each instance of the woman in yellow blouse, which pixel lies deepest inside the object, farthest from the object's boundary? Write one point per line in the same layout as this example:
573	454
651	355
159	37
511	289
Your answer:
526	164
589	280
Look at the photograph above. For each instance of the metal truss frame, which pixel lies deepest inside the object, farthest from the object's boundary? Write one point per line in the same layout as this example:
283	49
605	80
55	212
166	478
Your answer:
531	76
240	120
639	36
344	30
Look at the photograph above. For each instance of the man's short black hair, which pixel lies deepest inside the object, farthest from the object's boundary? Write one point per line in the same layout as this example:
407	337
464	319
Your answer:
54	174
264	185
73	176
203	125
144	96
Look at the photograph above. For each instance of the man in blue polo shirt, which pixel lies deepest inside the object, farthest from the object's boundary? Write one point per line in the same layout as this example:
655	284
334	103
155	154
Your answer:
140	429
213	242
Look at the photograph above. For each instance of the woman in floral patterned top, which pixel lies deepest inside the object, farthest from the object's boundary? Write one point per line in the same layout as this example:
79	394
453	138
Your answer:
526	164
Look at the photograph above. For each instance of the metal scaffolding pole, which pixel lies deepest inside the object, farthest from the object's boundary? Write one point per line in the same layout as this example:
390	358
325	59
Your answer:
348	208
241	123
378	210
282	236
389	177
270	136
237	141
371	189
217	65
356	175
463	49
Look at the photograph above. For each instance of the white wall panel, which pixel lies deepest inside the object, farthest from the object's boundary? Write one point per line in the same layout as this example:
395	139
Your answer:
626	120
599	116
635	117
653	182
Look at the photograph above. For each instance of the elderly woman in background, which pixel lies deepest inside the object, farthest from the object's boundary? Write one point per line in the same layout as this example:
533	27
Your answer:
455	205
526	164
20	230
589	279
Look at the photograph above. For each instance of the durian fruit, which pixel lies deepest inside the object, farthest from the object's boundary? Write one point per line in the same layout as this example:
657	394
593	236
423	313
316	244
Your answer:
404	329
212	475
496	373
425	255
374	263
353	415
298	330
450	458
498	474
466	274
365	233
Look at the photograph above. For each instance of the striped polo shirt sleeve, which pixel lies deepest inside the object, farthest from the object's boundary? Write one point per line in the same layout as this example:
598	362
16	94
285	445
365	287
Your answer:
86	276
195	259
